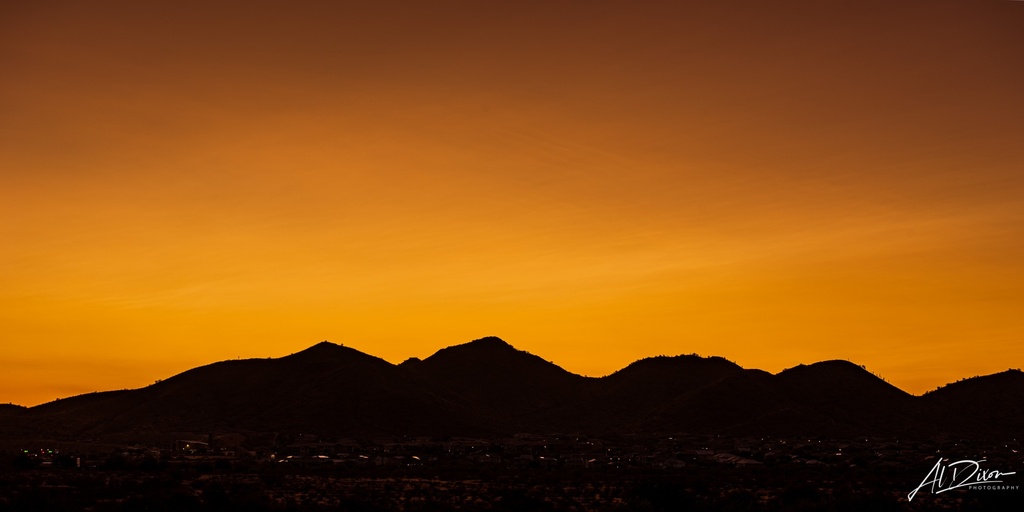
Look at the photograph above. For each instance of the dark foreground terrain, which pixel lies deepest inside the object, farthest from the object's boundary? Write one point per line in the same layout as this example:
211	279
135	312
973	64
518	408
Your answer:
528	473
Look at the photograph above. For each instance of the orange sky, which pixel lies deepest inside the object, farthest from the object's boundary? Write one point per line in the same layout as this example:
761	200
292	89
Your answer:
595	182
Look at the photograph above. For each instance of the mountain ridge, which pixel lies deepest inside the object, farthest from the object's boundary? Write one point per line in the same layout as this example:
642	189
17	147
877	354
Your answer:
488	387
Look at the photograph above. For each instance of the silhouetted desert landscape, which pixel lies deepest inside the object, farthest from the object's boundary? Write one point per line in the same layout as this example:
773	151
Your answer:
484	426
489	388
742	255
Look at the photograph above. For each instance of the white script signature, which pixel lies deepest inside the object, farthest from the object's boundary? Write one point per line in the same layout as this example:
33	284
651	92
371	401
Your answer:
963	473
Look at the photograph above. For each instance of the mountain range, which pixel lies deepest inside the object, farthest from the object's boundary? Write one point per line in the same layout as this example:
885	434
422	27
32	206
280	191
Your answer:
489	388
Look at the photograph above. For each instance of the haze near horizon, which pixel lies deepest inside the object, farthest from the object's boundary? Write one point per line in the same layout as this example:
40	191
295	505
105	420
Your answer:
776	184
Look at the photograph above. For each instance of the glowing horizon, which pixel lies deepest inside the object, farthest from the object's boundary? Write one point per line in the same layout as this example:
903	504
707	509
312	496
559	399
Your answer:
775	184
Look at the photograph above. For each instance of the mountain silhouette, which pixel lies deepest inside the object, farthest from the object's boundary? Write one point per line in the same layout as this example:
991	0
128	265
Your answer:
996	399
848	399
510	386
488	387
631	398
327	389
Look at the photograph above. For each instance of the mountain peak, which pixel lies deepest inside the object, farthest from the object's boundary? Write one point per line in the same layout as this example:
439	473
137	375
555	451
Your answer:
833	371
675	363
489	357
832	365
839	382
489	342
324	347
327	351
490	348
1012	378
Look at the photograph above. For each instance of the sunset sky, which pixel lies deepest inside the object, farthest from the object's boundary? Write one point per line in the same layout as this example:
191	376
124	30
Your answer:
595	182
